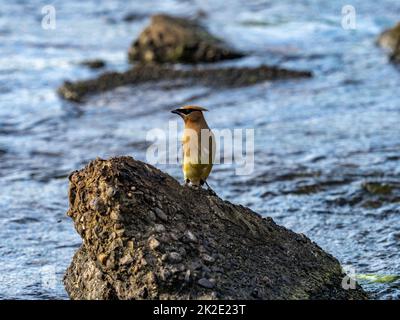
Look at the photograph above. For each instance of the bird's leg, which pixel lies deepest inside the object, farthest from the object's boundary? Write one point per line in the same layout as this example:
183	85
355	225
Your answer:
211	191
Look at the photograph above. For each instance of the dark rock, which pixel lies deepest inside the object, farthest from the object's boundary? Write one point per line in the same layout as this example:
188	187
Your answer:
215	77
377	188
160	214
205	283
390	40
94	64
371	194
189	237
174	257
133	16
173	39
271	264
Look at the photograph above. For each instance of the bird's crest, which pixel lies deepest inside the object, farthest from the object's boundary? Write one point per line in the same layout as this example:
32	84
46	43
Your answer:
198	108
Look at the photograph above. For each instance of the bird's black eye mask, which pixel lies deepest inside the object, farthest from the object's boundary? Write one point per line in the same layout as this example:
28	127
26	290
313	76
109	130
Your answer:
186	111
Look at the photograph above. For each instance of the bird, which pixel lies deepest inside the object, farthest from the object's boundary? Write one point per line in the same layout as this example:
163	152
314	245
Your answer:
198	144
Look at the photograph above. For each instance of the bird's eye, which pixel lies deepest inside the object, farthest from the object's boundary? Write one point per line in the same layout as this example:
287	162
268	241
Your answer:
186	111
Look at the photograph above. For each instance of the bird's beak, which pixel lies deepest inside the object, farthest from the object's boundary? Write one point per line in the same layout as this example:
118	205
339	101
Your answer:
176	111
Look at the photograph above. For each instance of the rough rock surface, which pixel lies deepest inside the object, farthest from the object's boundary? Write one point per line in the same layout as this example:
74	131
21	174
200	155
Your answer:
390	40
172	39
216	77
147	237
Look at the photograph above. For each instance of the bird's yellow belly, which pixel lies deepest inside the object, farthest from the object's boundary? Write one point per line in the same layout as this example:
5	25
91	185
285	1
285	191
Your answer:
196	172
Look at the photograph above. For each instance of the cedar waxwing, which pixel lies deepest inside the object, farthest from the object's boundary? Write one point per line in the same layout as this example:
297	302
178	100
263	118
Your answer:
198	145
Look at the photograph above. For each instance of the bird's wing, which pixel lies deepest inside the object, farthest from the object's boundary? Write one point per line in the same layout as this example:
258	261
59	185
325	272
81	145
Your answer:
208	150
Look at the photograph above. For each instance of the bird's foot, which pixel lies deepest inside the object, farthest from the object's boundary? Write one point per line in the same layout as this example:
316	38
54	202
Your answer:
189	184
210	191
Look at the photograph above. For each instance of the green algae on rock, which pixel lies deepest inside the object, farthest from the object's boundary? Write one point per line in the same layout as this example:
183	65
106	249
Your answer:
147	237
378	188
378	278
172	39
371	194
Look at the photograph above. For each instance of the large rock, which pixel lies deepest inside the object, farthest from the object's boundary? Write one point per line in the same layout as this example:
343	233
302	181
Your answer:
390	40
147	237
172	39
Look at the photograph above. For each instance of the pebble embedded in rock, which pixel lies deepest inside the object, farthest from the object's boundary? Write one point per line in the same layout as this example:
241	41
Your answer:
187	275
129	245
190	236
173	236
207	258
110	192
205	283
195	265
143	262
161	215
102	258
114	215
205	269
126	259
174	257
151	216
154	243
98	205
181	267
164	274
159	228
217	269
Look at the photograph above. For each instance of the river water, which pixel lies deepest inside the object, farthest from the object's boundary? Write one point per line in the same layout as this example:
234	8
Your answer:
322	145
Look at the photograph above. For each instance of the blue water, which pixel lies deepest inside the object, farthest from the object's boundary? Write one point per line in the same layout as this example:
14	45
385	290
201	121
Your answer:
335	131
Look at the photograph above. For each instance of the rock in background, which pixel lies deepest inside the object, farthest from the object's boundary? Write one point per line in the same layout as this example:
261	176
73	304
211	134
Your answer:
164	44
390	40
147	237
172	39
214	77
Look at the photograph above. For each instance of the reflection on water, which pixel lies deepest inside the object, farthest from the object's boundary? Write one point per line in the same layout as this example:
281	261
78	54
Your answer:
327	148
